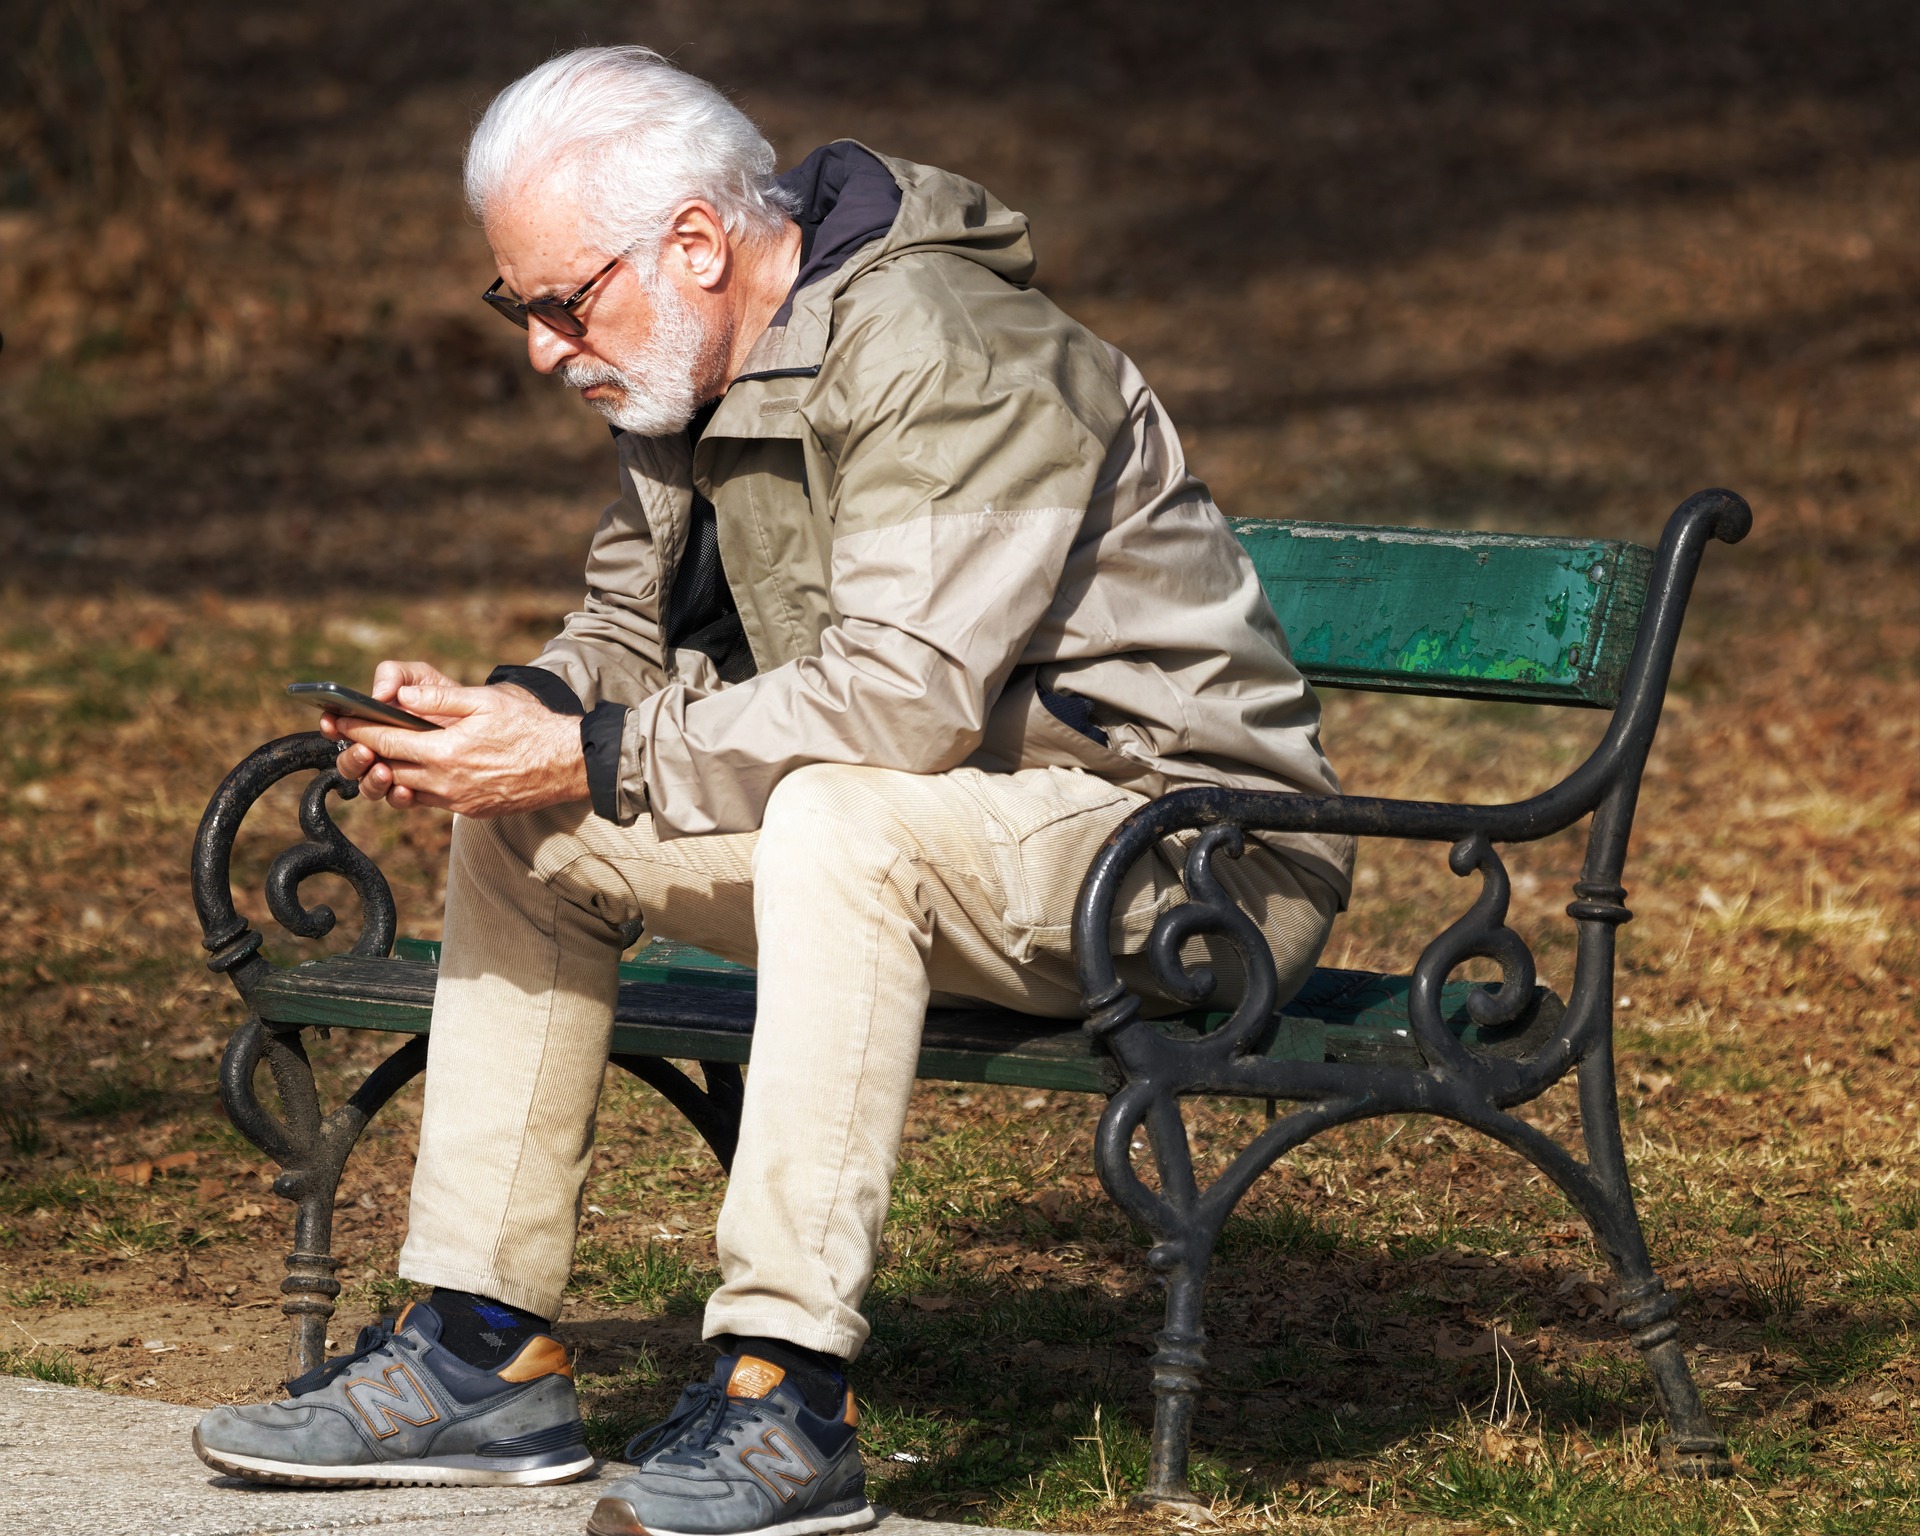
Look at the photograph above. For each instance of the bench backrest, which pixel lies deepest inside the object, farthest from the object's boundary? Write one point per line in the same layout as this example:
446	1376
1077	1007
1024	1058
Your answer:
1463	615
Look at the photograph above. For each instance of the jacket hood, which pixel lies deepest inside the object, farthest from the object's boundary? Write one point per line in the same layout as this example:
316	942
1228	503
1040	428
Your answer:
940	211
859	210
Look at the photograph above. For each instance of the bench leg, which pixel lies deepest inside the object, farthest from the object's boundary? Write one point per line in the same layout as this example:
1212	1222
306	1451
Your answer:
1644	1308
312	1151
713	1111
1185	1231
1179	1358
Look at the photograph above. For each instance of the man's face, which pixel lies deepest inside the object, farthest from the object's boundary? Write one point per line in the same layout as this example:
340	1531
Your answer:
656	344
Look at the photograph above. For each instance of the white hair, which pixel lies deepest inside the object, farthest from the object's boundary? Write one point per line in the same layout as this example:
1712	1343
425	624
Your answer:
632	138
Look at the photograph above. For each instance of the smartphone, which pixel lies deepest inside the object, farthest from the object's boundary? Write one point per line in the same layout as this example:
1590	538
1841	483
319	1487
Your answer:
346	701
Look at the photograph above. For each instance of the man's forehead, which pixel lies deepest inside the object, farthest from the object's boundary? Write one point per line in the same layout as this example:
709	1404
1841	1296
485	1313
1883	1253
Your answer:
536	232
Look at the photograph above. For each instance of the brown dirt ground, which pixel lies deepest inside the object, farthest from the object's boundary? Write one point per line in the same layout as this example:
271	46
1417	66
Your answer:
1441	263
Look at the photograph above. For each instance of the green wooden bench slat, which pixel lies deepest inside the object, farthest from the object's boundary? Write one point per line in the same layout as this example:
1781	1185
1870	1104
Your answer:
1465	615
662	960
1337	1016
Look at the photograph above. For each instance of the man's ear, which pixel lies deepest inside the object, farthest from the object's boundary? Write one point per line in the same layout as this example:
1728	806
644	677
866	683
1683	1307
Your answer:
699	237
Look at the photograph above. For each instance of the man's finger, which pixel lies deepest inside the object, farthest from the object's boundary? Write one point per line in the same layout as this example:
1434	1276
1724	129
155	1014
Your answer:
446	700
419	786
391	676
392	742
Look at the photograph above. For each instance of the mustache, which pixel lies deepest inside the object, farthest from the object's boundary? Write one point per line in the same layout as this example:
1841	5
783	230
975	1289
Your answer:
584	373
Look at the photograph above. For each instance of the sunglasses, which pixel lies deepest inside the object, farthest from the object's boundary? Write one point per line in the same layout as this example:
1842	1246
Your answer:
555	314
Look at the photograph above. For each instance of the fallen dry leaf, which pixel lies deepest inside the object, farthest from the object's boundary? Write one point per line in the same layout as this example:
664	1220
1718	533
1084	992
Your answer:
140	1173
247	1212
1503	1446
1445	1347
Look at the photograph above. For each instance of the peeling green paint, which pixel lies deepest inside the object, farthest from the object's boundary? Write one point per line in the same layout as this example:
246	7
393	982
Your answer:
1473	614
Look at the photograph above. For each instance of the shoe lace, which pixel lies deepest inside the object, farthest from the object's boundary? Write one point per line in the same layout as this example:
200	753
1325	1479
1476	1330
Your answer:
372	1337
690	1435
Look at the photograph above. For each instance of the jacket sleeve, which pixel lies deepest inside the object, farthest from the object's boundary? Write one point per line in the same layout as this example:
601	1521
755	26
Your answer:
960	486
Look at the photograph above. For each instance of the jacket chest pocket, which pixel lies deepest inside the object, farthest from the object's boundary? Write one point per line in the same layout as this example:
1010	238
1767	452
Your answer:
776	554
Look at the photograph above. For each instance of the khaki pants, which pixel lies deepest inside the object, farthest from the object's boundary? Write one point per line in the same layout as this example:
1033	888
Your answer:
865	893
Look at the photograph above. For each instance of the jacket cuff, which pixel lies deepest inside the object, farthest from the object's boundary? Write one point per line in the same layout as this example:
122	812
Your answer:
545	686
601	731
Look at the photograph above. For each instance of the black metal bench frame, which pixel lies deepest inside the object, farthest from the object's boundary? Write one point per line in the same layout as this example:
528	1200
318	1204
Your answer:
1514	1051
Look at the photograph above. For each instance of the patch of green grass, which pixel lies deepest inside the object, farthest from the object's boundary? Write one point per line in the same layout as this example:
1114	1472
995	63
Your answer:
1776	1458
1602	1392
1278	1229
616	1408
23	1131
64	1192
655	1278
1833	1355
386	1293
44	1364
55	1293
950	1339
1903	1211
1096	1459
1888	1277
125	1237
109	1093
1463	1483
1776	1289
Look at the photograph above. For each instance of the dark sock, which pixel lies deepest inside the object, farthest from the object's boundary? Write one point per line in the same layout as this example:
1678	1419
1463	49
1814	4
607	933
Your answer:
486	1334
822	1379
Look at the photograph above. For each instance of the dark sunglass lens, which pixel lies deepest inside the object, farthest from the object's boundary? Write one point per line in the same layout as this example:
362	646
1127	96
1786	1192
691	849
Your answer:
513	309
556	317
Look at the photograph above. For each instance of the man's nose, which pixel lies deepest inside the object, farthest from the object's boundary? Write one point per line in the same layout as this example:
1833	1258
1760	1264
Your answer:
547	349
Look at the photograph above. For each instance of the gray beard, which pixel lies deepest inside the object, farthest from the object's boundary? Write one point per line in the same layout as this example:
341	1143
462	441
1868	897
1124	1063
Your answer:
655	389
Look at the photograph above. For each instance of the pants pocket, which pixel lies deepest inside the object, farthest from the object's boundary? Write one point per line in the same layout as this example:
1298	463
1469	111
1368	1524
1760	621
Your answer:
1044	826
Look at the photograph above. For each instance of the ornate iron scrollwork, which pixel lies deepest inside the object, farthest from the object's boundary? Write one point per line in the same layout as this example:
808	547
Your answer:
232	941
1210	909
1479	933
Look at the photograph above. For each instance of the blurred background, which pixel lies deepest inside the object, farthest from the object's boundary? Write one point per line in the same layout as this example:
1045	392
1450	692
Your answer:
1544	268
1430	259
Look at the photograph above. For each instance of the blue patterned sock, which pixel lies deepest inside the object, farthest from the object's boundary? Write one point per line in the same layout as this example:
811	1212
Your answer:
486	1334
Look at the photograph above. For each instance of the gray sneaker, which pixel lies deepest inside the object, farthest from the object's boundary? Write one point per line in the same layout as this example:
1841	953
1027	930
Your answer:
742	1453
401	1410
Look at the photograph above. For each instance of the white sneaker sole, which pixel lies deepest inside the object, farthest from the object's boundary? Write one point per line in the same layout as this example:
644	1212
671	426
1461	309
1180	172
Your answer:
619	1523
393	1474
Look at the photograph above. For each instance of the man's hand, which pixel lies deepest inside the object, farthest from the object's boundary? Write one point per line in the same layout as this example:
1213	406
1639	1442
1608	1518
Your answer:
502	750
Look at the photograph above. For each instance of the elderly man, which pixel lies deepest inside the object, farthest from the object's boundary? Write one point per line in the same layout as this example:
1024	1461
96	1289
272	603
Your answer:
908	599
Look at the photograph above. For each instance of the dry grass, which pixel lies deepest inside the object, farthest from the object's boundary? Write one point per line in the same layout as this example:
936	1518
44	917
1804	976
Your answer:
1438	265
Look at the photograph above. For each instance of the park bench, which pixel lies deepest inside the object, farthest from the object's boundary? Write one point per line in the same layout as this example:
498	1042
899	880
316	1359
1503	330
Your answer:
1579	622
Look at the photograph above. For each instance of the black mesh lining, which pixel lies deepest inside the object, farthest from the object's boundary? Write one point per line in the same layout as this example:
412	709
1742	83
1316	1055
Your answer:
1071	709
701	614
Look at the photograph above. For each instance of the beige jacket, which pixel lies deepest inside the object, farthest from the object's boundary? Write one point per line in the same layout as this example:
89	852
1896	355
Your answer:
937	496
